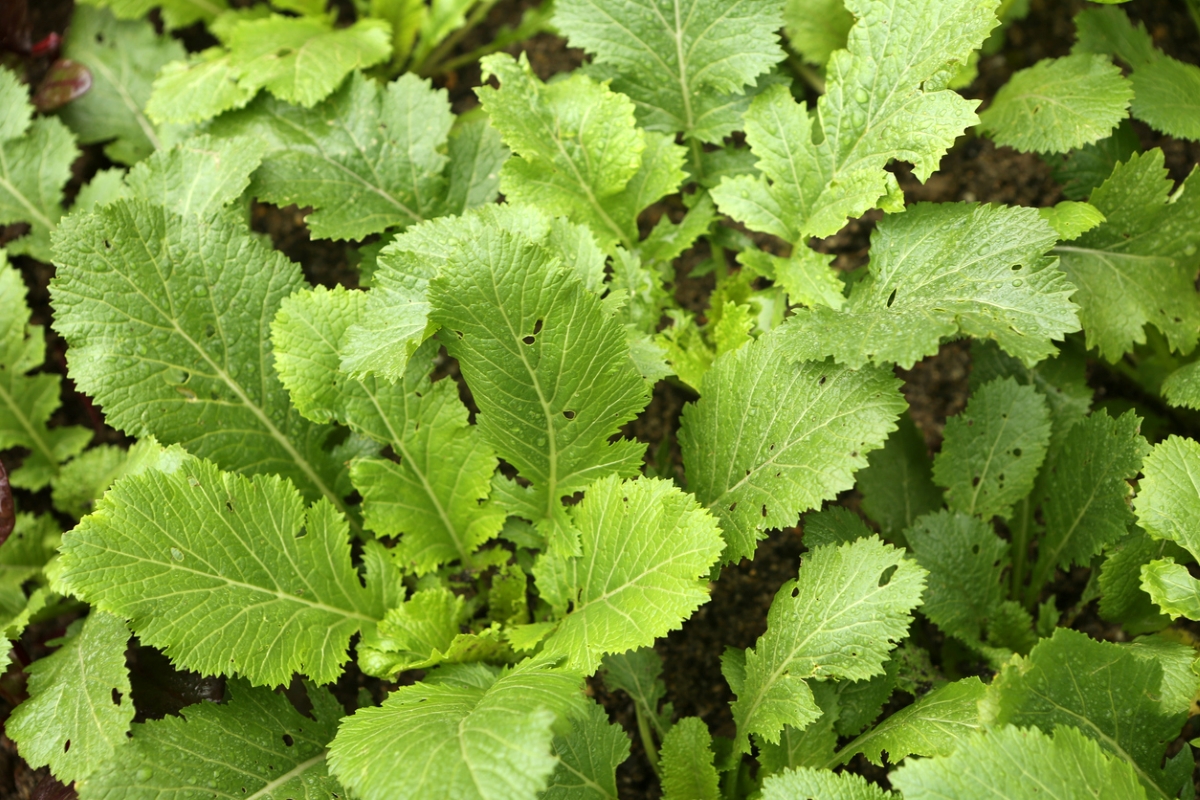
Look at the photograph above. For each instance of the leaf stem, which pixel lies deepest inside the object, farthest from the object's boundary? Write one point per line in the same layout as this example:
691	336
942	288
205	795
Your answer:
431	64
806	73
647	738
1020	545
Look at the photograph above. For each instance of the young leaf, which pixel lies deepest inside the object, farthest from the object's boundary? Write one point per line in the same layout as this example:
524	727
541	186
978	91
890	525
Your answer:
79	705
806	782
1137	267
123	58
686	760
1168	501
1004	286
422	632
256	744
647	549
175	13
897	485
1122	598
799	432
886	99
198	89
638	673
1058	104
1172	588
468	732
198	176
588	758
226	574
838	619
168	321
685	66
993	449
1021	764
550	371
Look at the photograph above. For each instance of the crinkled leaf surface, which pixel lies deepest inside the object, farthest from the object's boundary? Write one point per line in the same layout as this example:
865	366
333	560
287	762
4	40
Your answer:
175	13
198	89
1122	598
1182	387
199	176
79	705
588	758
806	782
1168	501
254	745
770	438
839	619
938	270
936	725
468	731
226	574
686	761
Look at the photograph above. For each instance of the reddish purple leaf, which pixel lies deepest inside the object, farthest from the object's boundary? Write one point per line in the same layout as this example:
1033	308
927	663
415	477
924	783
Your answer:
8	516
48	45
65	81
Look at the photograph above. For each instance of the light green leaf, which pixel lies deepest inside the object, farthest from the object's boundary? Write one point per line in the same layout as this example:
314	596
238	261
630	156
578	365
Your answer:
208	567
684	64
805	275
1004	286
550	371
85	478
1168	501
443	18
839	619
1122	598
638	673
466	732
835	525
254	745
886	99
199	176
422	632
79	705
1137	267
1013	763
1182	387
1178	660
1082	170
198	89
802	430
686	761
123	58
1070	218
175	13
168	321
806	782
815	28
1058	104
897	485
588	758
992	450
1172	588
647	549
936	725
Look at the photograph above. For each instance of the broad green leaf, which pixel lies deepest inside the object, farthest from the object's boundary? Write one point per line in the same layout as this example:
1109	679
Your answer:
84	480
965	560
839	619
432	495
588	758
769	438
225	574
1178	660
27	401
198	176
638	673
1104	690
168	322
859	703
1058	104
685	63
466	732
1172	588
198	89
815	28
550	371
1082	170
35	162
992	450
835	525
1168	501
577	150
886	99
302	60
805	275
811	747
1014	763
686	762
1137	267
646	552
1070	219
897	485
175	13
1182	387
936	725
1004	286
1086	506
806	782
79	706
123	58
1122	598
254	745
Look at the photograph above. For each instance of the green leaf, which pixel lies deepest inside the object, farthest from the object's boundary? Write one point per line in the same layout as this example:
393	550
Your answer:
433	495
1177	659
1168	501
425	631
803	429
35	162
256	744
811	747
27	401
466	732
198	89
302	60
198	176
226	574
84	479
1086	506
1182	387
79	705
638	673
1137	267
1021	764
684	64
588	758
168	322
839	619
123	58
936	725
1005	286
1082	170
815	28
578	150
1058	104
1070	219
965	560
806	782
992	450
1104	690
835	525
886	99
897	485
175	13
647	549
1121	596
1172	588
549	370
686	761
